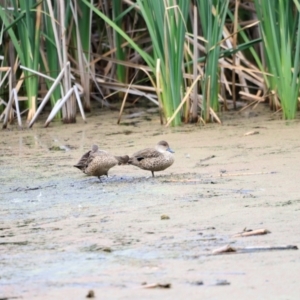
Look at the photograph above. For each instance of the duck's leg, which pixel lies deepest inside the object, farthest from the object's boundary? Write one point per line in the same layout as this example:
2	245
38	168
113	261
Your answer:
152	174
99	177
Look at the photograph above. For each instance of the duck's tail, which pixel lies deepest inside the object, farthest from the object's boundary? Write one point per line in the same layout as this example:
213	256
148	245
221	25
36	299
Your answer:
122	160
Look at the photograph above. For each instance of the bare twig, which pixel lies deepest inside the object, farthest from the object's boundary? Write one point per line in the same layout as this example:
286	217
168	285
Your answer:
207	158
252	232
251	133
244	174
230	249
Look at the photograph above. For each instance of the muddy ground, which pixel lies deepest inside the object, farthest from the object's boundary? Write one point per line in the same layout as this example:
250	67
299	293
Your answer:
63	233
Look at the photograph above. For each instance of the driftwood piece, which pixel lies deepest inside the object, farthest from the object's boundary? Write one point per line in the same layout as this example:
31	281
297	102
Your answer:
251	133
230	249
251	232
157	285
224	249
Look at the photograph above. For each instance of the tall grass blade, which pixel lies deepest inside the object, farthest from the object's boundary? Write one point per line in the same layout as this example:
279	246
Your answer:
280	28
212	17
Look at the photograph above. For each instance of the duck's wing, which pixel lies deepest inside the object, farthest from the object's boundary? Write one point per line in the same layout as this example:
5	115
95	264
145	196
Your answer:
146	153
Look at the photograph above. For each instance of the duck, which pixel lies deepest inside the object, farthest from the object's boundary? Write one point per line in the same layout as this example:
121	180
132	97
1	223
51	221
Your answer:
97	162
153	159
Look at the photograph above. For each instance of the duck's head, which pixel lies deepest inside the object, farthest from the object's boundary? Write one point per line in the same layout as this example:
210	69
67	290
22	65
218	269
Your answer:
163	146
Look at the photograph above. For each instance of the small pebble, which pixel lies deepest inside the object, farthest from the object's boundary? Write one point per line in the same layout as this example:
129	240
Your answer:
222	282
91	294
198	282
164	217
107	249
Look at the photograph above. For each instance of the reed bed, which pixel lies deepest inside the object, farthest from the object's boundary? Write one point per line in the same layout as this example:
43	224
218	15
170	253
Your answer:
192	59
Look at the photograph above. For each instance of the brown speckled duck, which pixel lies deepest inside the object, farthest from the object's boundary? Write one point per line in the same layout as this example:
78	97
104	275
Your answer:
97	162
153	159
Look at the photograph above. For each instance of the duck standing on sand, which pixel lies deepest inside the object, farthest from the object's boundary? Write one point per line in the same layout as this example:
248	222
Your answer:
153	159
97	162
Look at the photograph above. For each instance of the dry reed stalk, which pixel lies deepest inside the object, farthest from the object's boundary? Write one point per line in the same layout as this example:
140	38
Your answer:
234	66
8	72
47	96
249	74
214	115
133	92
242	79
257	102
37	73
252	97
190	39
254	103
17	107
230	35
186	97
58	105
124	100
75	88
240	56
125	85
105	55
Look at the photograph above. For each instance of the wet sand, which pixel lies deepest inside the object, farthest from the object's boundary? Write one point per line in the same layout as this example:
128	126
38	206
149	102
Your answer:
63	233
